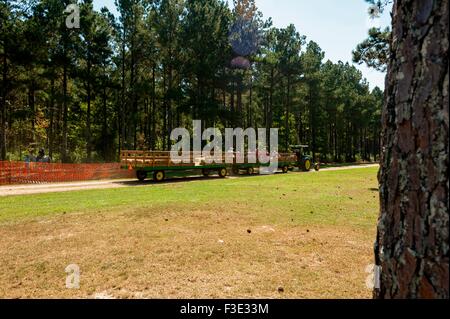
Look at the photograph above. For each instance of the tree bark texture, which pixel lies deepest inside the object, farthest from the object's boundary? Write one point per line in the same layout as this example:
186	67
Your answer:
412	245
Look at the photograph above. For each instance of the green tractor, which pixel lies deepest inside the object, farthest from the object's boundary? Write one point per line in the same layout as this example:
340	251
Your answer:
304	159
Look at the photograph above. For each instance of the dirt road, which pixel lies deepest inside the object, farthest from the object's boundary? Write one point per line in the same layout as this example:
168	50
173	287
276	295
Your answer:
104	184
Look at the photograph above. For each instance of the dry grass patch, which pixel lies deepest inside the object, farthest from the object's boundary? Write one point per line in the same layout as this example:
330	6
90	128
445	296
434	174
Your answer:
182	254
284	236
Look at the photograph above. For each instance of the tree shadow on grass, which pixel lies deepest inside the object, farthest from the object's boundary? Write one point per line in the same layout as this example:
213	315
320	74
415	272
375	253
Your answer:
185	179
171	180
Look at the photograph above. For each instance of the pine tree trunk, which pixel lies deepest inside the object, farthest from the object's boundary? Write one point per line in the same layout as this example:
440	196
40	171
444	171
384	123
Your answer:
164	140
153	134
270	109
239	99
3	108
288	106
88	116
64	117
250	104
123	106
32	104
105	123
51	115
412	244
169	107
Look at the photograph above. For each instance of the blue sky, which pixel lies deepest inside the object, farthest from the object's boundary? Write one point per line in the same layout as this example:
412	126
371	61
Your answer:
336	25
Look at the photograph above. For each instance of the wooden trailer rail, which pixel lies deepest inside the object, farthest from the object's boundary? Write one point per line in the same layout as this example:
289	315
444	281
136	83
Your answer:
137	159
287	158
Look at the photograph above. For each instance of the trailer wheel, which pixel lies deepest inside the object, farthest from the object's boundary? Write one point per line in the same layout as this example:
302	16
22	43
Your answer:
285	169
141	175
317	167
223	172
205	172
159	176
235	171
250	171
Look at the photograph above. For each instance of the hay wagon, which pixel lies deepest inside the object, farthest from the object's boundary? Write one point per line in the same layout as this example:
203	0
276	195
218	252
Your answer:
159	164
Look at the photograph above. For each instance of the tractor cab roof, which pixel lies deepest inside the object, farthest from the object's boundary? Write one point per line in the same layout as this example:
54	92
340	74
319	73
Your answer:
298	147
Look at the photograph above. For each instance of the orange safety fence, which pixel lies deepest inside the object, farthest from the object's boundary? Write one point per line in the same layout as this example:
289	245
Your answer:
34	173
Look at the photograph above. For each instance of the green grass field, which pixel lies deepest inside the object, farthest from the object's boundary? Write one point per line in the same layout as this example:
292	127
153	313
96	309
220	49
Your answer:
309	233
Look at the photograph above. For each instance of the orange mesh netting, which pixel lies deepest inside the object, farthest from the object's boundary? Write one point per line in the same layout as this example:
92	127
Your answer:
32	172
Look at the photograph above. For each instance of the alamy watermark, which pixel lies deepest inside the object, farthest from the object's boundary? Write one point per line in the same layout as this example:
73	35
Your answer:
241	146
73	19
373	279
73	276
